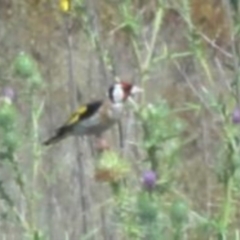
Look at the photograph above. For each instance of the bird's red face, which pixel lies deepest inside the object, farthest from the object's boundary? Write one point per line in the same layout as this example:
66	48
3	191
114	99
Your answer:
120	92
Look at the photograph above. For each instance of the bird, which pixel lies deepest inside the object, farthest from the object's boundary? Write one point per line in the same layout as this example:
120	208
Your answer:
96	117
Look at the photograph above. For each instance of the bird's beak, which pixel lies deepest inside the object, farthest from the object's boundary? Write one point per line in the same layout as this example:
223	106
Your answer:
136	90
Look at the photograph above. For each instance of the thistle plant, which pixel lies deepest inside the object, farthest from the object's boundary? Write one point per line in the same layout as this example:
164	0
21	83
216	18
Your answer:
236	116
25	67
112	169
12	138
228	168
179	216
149	180
9	141
161	137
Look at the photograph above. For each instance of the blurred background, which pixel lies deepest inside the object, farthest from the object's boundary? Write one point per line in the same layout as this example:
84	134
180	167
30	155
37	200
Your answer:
173	170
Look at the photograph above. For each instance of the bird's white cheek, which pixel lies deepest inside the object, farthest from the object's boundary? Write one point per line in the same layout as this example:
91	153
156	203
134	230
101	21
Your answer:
118	94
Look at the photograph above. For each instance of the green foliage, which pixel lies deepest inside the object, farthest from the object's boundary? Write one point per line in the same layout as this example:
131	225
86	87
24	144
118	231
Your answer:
162	131
9	144
8	129
131	22
141	215
13	136
147	208
26	68
147	217
24	65
179	212
113	169
179	216
38	235
159	123
7	116
110	160
234	4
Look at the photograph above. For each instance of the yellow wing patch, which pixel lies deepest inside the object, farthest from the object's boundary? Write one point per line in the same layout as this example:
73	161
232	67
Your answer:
77	115
64	5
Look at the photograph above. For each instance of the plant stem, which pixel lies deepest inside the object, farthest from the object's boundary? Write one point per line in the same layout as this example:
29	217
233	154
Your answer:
226	211
73	104
156	28
234	48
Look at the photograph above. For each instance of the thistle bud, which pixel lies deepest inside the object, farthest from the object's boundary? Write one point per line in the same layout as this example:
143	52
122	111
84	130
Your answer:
149	179
236	116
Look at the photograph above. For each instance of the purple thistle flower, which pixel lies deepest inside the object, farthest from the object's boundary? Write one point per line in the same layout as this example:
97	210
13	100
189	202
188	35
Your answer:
149	179
8	93
236	116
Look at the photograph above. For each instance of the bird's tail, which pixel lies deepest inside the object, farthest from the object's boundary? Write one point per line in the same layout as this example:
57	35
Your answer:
60	134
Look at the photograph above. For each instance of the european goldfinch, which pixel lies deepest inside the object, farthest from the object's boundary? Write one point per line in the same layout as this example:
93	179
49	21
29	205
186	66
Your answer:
96	117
